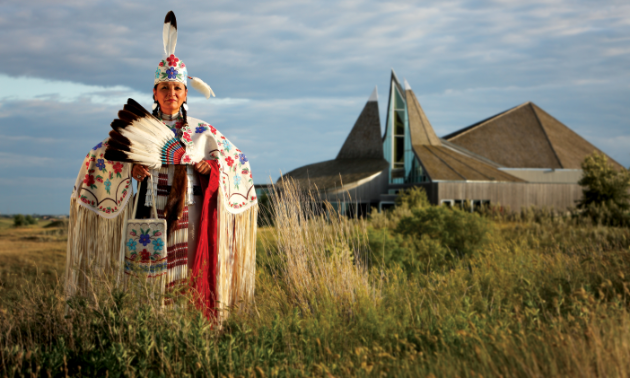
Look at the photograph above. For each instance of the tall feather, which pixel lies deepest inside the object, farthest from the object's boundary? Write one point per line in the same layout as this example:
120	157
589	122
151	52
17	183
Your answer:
169	33
138	137
201	86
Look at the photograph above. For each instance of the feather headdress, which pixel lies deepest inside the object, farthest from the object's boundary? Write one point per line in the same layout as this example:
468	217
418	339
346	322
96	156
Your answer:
171	68
140	138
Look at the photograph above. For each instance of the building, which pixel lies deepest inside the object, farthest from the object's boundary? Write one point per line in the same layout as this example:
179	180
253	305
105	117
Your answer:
518	158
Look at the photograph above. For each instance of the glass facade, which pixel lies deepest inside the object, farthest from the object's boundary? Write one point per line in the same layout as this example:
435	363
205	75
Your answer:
404	166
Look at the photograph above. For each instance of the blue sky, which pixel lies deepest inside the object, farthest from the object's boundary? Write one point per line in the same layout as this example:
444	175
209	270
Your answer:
292	76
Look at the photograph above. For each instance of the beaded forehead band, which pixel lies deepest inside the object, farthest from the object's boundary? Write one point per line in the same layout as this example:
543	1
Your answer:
171	68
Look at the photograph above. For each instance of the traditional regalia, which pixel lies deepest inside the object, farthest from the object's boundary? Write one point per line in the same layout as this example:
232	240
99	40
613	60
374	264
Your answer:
211	243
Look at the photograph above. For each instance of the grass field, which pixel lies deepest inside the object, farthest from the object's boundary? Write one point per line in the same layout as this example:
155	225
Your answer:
542	296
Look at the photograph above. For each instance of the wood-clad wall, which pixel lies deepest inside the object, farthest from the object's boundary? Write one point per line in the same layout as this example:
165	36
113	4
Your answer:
512	195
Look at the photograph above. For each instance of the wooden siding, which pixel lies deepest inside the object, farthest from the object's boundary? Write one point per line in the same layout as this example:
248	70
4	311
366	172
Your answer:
512	195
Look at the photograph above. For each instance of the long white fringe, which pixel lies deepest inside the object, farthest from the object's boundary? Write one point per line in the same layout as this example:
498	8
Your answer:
237	258
93	248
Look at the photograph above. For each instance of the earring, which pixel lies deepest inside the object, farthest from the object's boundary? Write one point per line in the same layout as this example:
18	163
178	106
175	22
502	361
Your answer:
185	106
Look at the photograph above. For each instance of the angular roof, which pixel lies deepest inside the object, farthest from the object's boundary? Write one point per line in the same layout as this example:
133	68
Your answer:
441	162
364	140
422	132
360	157
444	164
525	137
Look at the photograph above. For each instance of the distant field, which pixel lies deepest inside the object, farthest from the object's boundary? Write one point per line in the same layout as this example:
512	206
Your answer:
28	253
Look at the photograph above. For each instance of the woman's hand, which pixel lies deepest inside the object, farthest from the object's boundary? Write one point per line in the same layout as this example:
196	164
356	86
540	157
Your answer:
203	167
139	172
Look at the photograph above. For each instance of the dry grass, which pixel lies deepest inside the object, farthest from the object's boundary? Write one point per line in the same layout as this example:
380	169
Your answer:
318	254
546	299
27	252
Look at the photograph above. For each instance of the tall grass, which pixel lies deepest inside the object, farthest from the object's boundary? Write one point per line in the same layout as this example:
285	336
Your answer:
318	253
543	298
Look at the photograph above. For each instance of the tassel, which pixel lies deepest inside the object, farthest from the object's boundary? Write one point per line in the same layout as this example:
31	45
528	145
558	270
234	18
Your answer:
201	86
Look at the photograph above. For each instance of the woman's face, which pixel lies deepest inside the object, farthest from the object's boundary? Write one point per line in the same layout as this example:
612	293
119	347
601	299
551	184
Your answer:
170	95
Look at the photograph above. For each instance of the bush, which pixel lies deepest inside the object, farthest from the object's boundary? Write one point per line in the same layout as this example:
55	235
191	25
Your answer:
603	185
388	249
412	198
20	220
431	238
461	232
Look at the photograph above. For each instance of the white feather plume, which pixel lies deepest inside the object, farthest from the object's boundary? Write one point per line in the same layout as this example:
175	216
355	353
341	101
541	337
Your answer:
169	33
147	137
201	86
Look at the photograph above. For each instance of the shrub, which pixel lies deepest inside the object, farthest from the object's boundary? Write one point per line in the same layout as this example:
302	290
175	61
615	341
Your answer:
603	185
461	232
388	249
412	198
19	220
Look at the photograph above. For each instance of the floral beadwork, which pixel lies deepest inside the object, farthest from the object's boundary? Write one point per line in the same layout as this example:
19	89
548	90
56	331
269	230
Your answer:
172	60
151	260
172	73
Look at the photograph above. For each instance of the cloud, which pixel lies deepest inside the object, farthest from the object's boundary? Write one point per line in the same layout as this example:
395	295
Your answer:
291	77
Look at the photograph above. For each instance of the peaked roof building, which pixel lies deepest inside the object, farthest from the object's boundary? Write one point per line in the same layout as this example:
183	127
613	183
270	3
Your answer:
442	162
520	157
525	137
359	160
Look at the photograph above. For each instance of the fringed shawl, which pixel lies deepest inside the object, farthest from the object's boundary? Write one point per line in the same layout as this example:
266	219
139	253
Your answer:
224	269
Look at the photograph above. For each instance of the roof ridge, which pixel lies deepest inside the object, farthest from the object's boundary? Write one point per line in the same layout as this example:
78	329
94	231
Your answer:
555	153
472	168
445	163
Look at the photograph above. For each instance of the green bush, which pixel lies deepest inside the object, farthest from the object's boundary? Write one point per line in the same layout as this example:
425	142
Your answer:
603	184
431	238
413	198
461	232
20	220
423	255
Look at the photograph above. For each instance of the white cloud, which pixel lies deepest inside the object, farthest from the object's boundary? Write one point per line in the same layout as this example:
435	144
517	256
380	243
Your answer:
293	76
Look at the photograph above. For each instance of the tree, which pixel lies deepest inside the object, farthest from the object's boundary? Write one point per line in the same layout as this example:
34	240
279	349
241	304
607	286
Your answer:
19	220
603	185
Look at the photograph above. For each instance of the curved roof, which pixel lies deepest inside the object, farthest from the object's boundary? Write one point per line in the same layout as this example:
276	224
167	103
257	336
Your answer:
333	174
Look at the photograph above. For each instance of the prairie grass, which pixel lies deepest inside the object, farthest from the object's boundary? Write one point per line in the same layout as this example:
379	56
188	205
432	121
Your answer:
545	297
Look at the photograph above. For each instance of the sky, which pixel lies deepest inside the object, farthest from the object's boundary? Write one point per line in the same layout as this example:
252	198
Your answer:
292	76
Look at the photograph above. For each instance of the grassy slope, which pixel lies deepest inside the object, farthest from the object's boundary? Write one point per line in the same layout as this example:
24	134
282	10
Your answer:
544	299
29	253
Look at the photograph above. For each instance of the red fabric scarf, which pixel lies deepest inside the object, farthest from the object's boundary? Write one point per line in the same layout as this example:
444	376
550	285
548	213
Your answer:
204	279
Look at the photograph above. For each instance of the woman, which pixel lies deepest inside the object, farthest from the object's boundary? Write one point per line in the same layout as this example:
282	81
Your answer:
207	197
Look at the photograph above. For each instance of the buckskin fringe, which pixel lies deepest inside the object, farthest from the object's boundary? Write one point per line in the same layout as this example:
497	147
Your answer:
93	248
236	258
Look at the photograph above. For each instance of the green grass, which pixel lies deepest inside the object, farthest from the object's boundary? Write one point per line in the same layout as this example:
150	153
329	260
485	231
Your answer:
541	298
